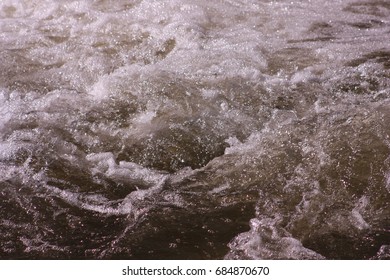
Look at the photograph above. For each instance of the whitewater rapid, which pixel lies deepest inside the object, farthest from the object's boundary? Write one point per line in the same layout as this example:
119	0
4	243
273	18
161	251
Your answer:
228	129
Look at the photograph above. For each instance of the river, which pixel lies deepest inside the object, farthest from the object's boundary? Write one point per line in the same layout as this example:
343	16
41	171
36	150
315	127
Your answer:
178	129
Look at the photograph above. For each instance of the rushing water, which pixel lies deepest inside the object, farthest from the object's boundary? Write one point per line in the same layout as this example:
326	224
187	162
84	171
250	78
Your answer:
195	129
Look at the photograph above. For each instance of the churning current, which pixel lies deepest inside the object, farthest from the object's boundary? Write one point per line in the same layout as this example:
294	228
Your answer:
194	129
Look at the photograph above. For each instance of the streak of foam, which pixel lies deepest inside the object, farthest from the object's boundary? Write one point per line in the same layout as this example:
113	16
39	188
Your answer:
125	171
135	203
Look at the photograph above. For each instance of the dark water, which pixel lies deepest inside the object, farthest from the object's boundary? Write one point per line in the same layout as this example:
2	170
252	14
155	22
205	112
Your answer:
194	129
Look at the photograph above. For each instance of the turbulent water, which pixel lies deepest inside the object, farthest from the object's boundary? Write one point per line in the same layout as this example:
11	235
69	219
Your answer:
194	129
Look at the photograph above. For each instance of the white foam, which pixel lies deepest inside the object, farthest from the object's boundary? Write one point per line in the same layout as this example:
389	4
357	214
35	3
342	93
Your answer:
220	189
357	218
388	182
125	171
267	240
134	204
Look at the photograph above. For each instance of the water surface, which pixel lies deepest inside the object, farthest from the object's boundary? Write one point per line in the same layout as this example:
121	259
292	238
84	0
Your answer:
235	129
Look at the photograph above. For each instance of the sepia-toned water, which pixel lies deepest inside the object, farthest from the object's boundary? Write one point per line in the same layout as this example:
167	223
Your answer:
194	129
